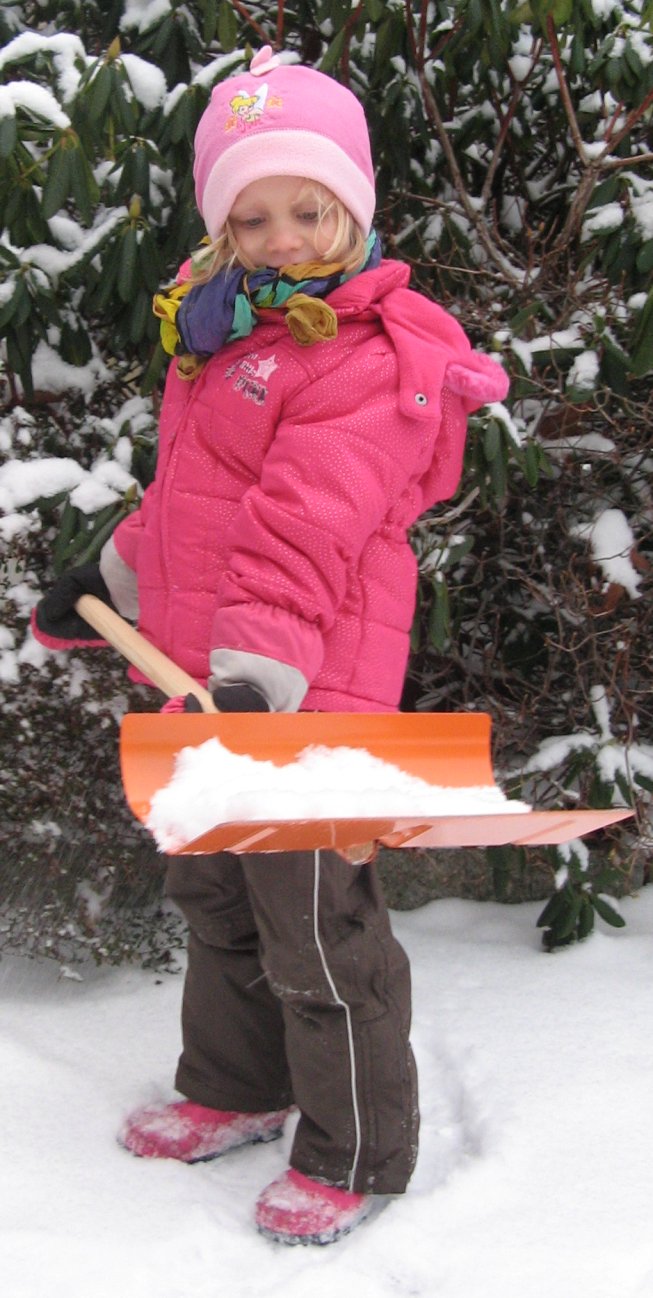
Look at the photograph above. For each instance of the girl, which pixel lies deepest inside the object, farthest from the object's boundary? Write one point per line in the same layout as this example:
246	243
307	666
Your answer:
316	408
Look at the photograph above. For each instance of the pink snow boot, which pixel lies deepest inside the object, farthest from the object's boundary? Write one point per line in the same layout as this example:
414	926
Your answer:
297	1210
192	1133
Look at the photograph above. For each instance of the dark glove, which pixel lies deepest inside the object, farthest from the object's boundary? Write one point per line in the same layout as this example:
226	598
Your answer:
54	620
238	697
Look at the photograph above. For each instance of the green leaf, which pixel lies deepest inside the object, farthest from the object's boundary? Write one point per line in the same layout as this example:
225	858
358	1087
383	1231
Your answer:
210	22
19	355
103	294
58	180
141	171
562	11
164	37
554	908
227	27
499	475
642	344
75	346
83	184
128	254
8	135
149	261
585	919
23	304
521	317
416	626
565	924
531	464
644	261
140	316
101	531
70	519
492	440
7	311
607	912
99	93
334	51
577	55
154	370
439	616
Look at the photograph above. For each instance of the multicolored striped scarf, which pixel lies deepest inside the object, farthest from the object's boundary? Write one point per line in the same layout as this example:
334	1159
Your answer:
198	319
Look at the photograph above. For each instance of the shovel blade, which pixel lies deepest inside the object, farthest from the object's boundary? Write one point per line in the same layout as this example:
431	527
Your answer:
450	750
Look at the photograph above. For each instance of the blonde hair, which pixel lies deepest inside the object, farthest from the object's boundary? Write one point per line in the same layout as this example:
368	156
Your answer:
347	246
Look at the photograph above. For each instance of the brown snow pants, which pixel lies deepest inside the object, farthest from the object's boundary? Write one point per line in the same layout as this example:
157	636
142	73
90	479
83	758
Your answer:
297	993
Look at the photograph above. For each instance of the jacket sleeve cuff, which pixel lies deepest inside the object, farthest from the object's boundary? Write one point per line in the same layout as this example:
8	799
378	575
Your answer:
283	686
121	581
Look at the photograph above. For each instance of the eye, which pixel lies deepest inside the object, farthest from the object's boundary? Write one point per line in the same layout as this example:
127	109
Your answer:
248	222
309	216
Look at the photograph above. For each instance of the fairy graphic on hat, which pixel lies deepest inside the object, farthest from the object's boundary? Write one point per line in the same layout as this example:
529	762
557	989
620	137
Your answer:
247	109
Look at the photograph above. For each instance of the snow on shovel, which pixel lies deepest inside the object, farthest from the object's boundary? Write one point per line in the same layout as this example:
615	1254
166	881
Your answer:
277	782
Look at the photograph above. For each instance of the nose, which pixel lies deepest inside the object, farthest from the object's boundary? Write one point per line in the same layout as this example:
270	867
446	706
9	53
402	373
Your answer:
284	238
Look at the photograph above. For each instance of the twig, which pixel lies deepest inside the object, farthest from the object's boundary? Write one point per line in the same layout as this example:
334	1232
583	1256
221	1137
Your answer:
633	117
475	218
244	13
617	164
348	31
564	89
517	92
418	55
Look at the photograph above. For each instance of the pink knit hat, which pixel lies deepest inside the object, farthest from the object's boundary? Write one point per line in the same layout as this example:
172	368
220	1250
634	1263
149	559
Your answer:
282	120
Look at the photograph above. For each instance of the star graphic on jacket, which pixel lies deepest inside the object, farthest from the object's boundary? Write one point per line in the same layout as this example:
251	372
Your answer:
266	368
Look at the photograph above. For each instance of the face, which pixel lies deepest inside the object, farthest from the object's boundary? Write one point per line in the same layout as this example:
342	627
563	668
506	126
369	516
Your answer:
276	222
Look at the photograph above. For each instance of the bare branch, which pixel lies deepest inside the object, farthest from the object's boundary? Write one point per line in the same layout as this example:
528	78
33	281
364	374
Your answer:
517	92
635	115
244	13
473	214
564	89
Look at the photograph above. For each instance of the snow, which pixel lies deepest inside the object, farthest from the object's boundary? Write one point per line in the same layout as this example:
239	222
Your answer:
55	262
612	543
146	80
584	372
497	410
603	8
642	209
520	65
535	1151
143	14
66	50
608	217
615	756
22	482
52	374
212	785
38	101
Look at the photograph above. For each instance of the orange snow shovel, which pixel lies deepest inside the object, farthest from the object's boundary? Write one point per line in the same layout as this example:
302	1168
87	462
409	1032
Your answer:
448	750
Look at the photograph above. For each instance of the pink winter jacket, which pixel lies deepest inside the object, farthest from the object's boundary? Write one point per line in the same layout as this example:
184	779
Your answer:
287	477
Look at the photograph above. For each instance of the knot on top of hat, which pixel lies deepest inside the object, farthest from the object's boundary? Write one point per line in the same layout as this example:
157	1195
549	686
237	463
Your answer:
264	61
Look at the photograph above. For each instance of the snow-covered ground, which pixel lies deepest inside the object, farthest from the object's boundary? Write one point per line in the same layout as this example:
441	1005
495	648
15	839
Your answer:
535	1170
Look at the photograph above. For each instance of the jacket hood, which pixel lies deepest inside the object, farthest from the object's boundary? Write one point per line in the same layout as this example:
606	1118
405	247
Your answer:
432	349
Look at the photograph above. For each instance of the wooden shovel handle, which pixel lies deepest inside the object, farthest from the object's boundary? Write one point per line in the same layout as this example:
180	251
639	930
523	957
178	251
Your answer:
170	678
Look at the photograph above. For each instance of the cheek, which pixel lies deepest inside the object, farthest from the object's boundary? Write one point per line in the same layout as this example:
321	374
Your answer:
245	247
325	234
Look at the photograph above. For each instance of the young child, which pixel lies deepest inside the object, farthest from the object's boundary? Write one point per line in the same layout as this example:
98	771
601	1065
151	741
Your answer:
317	407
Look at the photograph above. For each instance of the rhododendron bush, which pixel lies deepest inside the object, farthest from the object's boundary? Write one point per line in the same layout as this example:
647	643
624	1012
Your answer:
514	160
